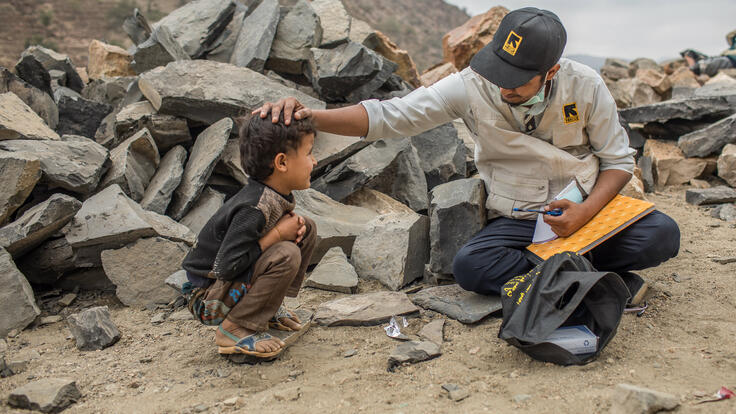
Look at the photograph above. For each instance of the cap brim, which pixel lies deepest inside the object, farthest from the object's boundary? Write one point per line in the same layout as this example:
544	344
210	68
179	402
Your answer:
499	72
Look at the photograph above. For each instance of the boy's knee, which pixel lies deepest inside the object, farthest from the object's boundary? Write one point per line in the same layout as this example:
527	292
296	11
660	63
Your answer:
286	254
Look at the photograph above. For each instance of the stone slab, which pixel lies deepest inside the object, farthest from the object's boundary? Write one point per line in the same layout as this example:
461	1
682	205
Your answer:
716	195
457	303
19	304
19	121
48	395
334	273
412	352
364	309
20	175
166	179
36	99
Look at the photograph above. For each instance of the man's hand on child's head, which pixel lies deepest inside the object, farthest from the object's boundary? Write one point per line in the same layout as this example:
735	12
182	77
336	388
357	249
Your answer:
289	106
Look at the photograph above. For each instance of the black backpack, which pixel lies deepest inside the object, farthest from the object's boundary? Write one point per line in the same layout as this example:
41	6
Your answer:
564	290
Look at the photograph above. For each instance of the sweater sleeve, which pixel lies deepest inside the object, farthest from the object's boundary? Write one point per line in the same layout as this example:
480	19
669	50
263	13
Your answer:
239	249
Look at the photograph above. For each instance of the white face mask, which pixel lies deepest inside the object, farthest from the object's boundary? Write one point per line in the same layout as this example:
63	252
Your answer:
539	97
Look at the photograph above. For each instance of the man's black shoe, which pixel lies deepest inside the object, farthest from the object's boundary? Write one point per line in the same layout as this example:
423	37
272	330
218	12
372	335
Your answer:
637	287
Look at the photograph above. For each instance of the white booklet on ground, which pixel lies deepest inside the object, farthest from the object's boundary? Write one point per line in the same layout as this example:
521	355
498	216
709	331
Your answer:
543	232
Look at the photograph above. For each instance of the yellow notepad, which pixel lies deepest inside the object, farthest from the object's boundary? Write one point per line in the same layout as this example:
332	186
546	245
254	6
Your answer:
618	214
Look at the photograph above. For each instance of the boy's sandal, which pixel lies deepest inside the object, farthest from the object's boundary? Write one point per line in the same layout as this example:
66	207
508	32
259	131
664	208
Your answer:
247	345
282	313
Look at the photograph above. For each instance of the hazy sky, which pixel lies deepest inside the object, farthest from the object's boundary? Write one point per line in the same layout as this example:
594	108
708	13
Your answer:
630	29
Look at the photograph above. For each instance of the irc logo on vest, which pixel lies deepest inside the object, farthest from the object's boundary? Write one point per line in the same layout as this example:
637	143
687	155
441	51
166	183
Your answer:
513	41
570	113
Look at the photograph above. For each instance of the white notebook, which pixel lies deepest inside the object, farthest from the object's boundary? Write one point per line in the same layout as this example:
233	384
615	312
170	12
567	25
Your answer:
543	232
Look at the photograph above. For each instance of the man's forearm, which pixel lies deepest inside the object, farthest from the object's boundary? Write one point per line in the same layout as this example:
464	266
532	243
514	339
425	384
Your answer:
608	184
350	120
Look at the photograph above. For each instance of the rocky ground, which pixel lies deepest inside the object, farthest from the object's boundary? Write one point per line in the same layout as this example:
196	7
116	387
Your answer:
681	345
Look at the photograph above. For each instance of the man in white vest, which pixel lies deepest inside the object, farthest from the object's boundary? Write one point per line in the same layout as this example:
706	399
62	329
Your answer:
538	122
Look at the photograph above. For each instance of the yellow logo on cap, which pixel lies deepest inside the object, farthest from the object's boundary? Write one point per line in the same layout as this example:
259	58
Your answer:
570	113
512	43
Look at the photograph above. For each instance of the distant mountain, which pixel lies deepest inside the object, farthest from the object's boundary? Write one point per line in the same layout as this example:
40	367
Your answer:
595	62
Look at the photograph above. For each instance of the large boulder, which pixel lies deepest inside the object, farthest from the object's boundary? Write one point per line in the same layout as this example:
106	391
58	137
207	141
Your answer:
727	164
709	140
207	91
390	50
108	61
198	24
463	42
166	130
206	206
331	149
298	31
19	304
39	101
134	162
393	249
349	71
456	212
337	224
163	183
37	224
75	163
690	109
110	220
255	38
390	166
79	116
19	121
204	156
224	46
230	164
32	71
139	270
51	60
334	20
672	168
441	154
19	173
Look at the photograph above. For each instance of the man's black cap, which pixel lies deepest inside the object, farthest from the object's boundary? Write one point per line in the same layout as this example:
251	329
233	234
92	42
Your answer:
528	42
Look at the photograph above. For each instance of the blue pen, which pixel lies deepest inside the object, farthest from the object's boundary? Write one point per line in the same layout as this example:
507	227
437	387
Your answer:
555	212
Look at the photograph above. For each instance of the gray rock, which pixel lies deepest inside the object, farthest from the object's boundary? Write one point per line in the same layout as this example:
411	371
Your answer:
163	183
203	157
37	224
139	270
158	318
63	91
181	315
308	90
20	174
89	279
18	121
630	399
32	71
334	273
48	395
393	249
648	173
348	71
134	162
709	140
152	54
51	60
79	116
18	362
716	195
203	209
212	90
93	329
725	212
19	304
110	220
105	134
224	184
198	24
58	80
45	264
376	201
111	91
39	101
726	164
337	224
455	393
176	280
390	166
719	85
434	331
725	260
331	149
457	303
223	47
364	309
441	154
456	213
255	38
166	130
230	162
67	299
690	109
334	20
75	163
50	320
436	278
412	352
298	31
137	27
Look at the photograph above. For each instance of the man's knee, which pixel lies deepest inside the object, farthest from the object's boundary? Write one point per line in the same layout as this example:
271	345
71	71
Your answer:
665	242
471	272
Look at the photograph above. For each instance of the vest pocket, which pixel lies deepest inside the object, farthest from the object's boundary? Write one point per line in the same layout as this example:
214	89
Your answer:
509	190
568	136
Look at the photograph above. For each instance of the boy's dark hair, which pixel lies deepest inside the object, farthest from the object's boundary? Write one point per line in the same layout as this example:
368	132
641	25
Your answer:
261	140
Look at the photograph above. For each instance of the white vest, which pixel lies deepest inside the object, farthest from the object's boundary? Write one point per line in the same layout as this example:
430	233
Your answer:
529	170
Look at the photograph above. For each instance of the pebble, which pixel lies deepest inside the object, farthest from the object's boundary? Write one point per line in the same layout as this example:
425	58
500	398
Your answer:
158	318
725	260
520	398
474	351
676	278
67	299
296	373
289	394
455	393
350	352
48	320
200	408
231	401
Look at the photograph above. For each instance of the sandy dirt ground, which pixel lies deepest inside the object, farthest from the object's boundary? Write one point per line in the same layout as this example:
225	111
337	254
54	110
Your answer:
684	345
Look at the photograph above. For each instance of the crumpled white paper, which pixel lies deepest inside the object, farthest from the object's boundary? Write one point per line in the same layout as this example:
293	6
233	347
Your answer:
393	329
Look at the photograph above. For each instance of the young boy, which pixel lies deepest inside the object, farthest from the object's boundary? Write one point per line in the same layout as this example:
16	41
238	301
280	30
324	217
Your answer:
255	249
